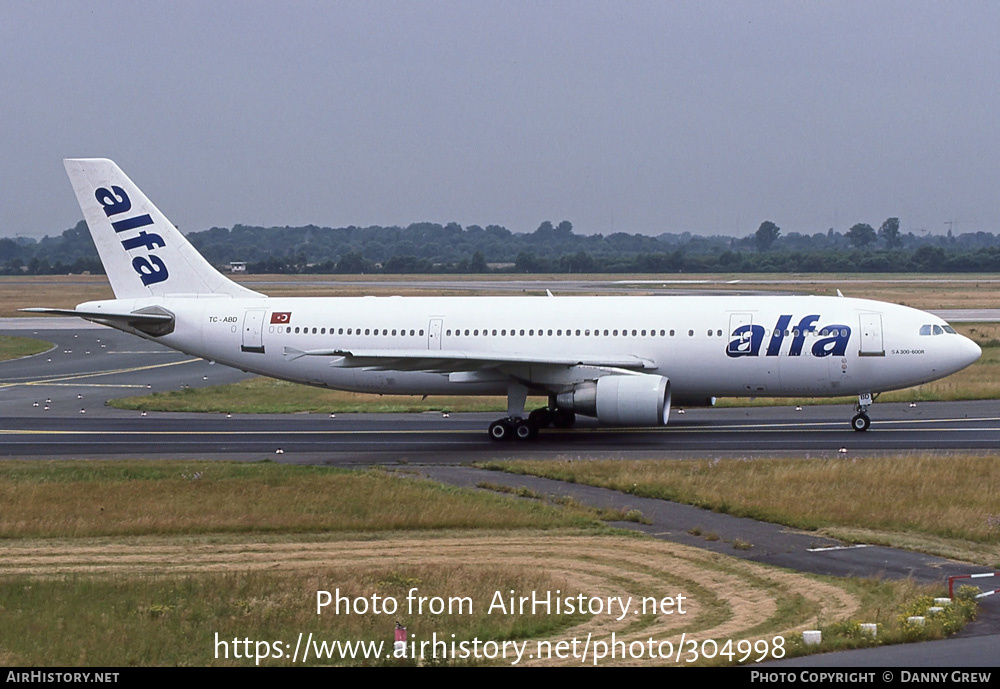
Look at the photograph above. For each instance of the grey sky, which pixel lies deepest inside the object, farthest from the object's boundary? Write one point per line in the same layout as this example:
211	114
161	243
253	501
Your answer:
636	117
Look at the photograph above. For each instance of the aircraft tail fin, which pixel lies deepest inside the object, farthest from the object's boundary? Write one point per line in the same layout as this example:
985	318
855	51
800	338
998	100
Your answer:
142	252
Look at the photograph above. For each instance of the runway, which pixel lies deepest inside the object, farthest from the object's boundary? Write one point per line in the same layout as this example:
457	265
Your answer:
461	438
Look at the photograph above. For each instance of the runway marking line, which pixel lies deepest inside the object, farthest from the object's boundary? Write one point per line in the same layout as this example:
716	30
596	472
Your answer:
434	431
81	376
836	547
83	385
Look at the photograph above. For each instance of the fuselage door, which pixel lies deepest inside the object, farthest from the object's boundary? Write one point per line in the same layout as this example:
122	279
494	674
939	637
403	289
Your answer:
253	331
434	333
871	335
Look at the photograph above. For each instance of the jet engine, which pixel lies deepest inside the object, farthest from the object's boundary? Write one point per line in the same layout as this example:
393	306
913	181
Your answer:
621	400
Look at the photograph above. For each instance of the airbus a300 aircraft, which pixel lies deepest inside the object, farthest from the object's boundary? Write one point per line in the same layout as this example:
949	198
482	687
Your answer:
623	360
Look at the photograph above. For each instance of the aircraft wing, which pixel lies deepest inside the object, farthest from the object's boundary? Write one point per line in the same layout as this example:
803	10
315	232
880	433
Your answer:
447	361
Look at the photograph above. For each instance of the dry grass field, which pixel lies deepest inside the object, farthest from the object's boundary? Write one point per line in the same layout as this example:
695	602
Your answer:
939	504
960	291
137	563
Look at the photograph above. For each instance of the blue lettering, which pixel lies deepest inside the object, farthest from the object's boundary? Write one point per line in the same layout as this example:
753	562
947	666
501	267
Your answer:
149	241
835	344
132	223
748	341
114	202
807	324
748	338
151	271
778	336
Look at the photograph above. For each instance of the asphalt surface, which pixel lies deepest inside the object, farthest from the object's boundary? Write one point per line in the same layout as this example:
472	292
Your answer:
52	405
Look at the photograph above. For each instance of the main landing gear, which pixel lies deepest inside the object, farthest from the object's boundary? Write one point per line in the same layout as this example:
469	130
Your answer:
515	426
861	422
527	429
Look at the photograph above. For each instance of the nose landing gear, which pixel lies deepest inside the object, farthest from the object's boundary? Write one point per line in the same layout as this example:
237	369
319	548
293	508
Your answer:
861	422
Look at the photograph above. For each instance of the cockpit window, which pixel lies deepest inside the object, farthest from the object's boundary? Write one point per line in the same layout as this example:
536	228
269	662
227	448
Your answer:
937	330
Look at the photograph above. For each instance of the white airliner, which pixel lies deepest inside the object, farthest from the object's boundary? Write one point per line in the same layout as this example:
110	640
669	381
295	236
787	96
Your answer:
623	360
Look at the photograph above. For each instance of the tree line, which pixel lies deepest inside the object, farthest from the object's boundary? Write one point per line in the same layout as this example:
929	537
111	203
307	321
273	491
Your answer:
551	248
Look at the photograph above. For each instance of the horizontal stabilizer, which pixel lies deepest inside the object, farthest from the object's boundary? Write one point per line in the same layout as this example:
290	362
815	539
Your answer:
152	320
104	315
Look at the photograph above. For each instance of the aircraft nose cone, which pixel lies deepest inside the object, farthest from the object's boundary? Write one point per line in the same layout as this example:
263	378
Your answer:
970	352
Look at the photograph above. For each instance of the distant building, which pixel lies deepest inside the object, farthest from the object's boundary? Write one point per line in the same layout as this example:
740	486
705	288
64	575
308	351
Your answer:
237	267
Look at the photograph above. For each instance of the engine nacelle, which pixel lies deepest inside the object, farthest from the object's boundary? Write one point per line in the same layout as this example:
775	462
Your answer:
621	400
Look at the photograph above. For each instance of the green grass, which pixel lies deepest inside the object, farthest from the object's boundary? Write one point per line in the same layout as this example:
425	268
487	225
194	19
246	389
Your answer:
937	504
86	499
139	563
888	605
16	347
145	620
270	396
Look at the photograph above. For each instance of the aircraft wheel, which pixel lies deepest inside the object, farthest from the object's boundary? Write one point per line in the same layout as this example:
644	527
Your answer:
861	422
501	430
525	430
